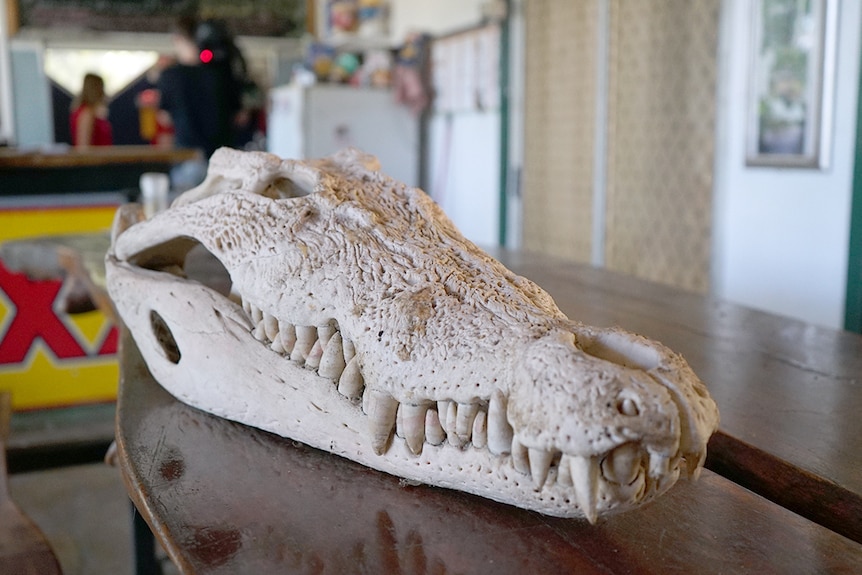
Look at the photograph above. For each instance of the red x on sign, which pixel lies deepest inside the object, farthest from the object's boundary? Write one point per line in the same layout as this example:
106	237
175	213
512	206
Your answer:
34	317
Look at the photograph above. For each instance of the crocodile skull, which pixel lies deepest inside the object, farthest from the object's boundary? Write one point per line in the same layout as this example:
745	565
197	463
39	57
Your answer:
361	322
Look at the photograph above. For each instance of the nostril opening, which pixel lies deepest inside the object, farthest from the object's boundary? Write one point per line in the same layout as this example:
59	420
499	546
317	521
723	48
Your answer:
164	337
627	406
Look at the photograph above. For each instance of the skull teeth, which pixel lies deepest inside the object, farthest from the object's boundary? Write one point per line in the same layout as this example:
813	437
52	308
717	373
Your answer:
485	425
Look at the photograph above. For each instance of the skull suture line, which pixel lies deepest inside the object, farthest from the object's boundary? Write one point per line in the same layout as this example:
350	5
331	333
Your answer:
370	328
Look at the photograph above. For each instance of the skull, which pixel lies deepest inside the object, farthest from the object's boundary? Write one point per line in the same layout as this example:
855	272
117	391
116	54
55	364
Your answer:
360	321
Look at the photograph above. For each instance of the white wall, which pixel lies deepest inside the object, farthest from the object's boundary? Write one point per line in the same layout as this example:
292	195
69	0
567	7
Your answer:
781	236
433	17
464	172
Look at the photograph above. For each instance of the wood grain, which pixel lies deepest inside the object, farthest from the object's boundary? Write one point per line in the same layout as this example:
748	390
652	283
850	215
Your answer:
224	498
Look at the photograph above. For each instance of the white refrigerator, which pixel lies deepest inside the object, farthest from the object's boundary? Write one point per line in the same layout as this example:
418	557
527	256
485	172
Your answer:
319	120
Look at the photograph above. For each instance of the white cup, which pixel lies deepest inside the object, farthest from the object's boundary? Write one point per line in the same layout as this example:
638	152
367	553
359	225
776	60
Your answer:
154	192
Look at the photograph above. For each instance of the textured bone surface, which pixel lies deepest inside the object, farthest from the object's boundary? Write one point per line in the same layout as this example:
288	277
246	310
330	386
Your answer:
359	321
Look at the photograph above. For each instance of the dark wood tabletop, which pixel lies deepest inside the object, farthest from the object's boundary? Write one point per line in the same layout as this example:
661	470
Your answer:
789	393
224	498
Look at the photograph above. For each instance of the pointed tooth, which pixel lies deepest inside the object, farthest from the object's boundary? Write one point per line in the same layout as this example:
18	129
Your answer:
259	333
276	345
629	407
585	478
413	423
382	410
399	422
520	459
366	398
312	360
256	314
246	306
325	332
622	465
350	383
480	430
286	337
659	465
306	336
349	349
270	326
499	431
451	422
332	362
464	422
694	464
540	464
564	472
434	433
442	411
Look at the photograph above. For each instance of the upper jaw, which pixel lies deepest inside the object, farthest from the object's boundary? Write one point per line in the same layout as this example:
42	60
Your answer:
593	425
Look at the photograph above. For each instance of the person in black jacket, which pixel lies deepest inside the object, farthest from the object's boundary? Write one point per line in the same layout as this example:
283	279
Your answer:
201	94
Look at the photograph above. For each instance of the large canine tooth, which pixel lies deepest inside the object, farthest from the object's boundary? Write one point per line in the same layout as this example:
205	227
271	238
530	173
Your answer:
312	360
305	338
434	432
480	430
382	410
270	326
464	422
413	422
499	431
585	478
520	459
332	361
350	383
325	332
623	464
540	464
286	337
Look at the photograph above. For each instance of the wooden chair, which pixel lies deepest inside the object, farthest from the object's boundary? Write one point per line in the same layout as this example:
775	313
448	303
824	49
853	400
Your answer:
23	547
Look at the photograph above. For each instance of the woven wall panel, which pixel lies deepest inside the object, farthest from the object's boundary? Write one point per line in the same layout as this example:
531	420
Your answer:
661	117
559	116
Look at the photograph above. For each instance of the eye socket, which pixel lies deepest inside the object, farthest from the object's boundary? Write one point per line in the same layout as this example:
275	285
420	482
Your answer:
164	337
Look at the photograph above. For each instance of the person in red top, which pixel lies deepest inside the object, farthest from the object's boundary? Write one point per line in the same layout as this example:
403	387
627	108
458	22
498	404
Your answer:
89	119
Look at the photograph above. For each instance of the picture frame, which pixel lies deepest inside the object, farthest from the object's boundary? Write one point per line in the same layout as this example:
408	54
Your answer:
791	83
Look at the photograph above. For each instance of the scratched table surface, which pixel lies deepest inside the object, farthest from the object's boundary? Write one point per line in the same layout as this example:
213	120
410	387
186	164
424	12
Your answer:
224	498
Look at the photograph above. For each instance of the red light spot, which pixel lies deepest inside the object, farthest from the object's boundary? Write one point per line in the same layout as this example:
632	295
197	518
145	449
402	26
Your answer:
206	56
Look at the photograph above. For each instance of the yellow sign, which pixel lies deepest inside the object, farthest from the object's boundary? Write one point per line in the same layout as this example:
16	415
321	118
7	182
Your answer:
48	357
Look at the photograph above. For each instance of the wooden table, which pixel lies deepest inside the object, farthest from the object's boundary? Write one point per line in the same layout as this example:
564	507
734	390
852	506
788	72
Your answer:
223	498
